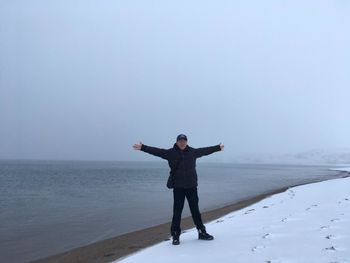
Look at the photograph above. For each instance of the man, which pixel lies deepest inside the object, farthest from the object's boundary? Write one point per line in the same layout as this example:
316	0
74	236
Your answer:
182	161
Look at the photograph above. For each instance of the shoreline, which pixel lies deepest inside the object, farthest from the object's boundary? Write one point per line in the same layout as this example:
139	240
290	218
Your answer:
118	247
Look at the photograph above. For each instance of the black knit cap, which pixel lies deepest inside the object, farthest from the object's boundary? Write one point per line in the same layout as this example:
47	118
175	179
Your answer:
181	137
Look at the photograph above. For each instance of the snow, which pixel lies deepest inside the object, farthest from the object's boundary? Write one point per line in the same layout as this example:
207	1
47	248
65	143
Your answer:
337	156
308	223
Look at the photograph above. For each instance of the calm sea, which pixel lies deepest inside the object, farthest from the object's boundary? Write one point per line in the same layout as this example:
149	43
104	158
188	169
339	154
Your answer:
47	207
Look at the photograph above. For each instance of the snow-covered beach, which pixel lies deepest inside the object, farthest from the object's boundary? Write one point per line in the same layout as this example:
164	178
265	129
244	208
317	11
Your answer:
307	223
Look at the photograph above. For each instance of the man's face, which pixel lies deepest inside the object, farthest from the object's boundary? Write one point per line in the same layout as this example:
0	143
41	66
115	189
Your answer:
181	144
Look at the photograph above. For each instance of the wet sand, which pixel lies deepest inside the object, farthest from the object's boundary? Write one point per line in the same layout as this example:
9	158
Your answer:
117	247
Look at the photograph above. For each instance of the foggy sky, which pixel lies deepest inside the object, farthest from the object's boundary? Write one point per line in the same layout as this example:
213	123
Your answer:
88	79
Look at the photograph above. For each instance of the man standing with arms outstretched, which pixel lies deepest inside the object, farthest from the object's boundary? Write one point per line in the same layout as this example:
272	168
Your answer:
182	161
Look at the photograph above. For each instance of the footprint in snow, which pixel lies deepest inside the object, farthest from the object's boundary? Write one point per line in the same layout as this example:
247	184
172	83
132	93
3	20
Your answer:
324	227
345	199
284	219
309	208
291	194
219	221
330	237
266	235
265	206
258	248
249	211
330	249
334	219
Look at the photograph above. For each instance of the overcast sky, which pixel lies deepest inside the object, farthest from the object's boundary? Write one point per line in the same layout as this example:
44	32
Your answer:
88	79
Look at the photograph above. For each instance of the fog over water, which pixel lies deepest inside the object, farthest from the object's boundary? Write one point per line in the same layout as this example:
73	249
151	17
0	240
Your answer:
86	80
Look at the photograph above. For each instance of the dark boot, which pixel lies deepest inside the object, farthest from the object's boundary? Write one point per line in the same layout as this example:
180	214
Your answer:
202	234
176	237
176	240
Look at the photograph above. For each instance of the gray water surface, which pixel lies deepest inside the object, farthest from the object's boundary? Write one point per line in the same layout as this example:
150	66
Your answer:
48	207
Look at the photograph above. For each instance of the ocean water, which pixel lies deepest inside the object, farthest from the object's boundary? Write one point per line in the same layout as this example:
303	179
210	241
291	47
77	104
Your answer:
48	207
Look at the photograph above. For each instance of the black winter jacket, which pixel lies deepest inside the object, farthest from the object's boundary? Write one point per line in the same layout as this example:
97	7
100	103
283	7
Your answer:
185	175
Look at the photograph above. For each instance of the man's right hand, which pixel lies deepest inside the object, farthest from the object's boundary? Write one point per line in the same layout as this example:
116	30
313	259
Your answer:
137	146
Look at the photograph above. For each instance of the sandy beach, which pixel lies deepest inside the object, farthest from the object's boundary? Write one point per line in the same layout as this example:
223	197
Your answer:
118	247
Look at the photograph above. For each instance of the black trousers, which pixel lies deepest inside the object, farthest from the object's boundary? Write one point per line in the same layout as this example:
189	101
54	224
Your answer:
179	199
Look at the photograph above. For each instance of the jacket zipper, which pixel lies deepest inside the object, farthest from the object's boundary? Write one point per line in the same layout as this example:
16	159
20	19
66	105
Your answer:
183	158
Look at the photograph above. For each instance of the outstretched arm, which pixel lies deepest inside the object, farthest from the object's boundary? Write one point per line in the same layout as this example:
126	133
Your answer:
199	152
163	153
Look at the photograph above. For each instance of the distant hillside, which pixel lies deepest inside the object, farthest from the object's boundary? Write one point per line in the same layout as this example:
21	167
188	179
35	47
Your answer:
315	156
